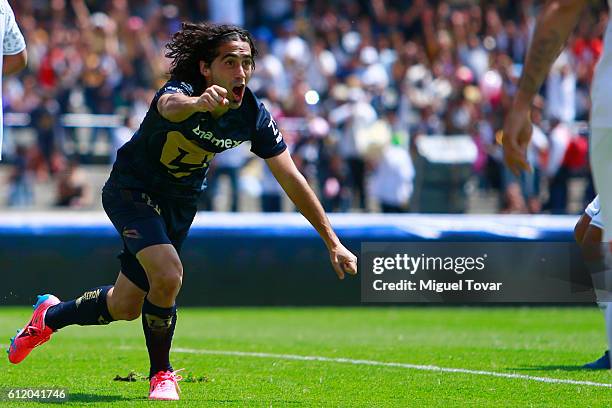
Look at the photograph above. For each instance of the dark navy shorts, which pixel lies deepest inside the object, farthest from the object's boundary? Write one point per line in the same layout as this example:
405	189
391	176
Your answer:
144	219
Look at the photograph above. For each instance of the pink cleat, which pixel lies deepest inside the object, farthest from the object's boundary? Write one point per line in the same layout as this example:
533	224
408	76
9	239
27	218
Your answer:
35	333
164	386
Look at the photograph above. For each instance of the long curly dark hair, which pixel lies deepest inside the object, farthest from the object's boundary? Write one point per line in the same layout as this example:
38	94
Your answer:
200	42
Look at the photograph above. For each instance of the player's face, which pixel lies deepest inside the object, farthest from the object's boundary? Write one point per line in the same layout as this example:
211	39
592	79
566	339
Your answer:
232	69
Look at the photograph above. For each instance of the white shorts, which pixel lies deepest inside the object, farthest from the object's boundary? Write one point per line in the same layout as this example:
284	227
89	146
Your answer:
601	154
593	210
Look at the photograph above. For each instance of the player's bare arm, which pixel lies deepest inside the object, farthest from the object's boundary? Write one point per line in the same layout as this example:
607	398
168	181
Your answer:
293	182
554	25
177	107
12	64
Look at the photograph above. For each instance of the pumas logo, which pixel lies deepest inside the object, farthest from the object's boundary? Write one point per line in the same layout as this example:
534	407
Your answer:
157	323
220	143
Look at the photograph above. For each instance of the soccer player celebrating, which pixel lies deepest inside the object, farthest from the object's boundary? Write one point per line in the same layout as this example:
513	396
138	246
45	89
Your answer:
556	21
150	196
588	233
13	49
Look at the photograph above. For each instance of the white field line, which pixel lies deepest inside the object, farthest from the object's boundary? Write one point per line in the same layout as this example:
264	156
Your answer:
296	357
391	364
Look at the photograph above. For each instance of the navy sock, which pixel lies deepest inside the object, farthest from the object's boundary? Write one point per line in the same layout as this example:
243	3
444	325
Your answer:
158	324
89	309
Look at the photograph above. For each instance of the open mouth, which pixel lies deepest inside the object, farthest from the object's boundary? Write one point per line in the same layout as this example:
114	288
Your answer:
238	92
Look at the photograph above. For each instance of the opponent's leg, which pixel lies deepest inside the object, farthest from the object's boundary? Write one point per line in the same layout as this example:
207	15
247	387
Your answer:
589	238
165	273
601	163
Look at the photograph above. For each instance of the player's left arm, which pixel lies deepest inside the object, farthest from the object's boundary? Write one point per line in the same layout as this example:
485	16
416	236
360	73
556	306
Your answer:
293	182
15	56
12	64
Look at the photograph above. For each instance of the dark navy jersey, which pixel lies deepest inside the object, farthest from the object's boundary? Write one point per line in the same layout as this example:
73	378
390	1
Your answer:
172	158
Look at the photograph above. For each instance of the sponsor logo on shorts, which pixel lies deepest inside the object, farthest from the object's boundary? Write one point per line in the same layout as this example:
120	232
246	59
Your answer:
132	233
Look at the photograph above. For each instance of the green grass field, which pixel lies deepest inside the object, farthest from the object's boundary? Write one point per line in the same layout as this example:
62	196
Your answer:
536	342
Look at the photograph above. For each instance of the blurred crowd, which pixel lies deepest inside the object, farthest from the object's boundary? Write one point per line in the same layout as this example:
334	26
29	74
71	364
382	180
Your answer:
362	90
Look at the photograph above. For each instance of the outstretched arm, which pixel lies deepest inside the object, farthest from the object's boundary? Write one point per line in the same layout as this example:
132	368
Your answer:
554	25
298	190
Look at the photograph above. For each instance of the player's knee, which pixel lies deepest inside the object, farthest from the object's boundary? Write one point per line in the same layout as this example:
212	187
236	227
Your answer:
130	314
132	309
168	281
127	309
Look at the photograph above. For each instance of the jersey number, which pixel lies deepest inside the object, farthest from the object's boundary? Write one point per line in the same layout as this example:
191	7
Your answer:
182	157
